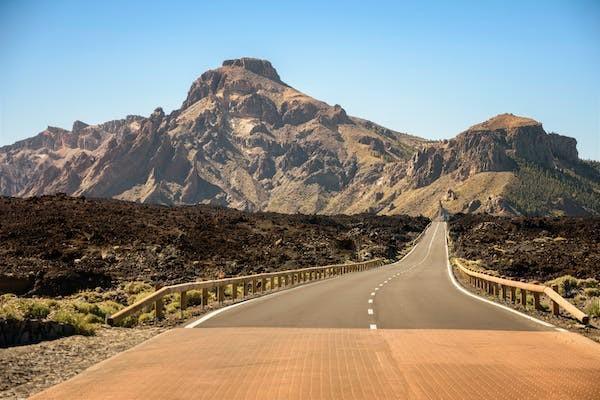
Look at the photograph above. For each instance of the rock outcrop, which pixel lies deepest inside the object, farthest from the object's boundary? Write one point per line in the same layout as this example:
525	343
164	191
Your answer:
492	146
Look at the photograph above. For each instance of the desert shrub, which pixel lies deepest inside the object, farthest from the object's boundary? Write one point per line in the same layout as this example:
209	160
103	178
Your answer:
172	307
109	307
93	319
592	292
52	303
134	298
580	298
593	308
87	308
128	321
132	288
90	296
568	286
194	298
35	309
589	283
76	319
9	310
145	317
15	308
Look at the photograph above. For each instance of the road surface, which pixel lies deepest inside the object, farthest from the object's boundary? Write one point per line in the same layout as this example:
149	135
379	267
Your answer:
415	293
404	330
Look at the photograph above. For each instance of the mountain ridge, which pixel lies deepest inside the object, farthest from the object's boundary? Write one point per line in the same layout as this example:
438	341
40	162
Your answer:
245	139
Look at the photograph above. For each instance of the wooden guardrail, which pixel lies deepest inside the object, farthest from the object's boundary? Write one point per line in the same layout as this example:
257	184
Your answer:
250	284
499	286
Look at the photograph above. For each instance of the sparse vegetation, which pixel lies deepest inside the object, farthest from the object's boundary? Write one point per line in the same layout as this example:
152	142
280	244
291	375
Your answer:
593	308
87	310
537	187
569	286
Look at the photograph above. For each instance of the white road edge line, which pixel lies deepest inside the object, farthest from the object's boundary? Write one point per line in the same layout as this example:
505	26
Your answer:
465	291
373	326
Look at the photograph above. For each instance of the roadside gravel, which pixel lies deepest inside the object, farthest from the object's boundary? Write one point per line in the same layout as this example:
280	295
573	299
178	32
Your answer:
25	370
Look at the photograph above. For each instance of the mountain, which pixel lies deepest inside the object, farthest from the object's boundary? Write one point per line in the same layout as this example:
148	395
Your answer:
245	139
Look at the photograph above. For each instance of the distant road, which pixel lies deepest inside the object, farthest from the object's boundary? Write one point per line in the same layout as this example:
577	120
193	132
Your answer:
415	293
402	331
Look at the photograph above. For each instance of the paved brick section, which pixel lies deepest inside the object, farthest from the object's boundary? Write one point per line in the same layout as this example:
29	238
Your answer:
315	363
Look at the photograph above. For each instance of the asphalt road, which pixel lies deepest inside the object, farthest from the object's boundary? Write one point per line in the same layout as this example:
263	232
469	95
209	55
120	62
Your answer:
414	293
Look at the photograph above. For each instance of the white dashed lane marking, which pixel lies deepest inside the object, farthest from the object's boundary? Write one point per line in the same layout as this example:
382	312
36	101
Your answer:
372	293
370	311
370	301
372	326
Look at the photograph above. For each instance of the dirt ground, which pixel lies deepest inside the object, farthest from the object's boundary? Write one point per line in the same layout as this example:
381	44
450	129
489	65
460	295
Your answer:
26	370
63	244
533	248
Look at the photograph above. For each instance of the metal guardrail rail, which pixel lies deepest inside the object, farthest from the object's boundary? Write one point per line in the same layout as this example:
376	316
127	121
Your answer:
499	286
251	284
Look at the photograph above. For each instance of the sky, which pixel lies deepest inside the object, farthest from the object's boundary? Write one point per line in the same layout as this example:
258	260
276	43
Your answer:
430	68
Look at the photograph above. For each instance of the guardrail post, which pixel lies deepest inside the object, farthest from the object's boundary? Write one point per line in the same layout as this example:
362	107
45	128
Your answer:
504	292
555	307
524	298
513	294
536	301
221	293
272	283
204	297
182	301
263	283
159	308
245	288
254	286
234	290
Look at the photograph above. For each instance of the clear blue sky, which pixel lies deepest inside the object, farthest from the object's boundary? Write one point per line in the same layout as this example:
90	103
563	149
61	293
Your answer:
428	68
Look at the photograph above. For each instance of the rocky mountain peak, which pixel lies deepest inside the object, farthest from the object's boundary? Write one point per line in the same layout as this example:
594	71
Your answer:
78	126
256	65
504	122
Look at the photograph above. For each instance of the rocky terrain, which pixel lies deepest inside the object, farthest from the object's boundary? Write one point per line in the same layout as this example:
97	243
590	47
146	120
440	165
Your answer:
244	139
541	249
56	245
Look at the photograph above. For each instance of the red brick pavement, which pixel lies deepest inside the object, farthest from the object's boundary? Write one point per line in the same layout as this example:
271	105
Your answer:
294	363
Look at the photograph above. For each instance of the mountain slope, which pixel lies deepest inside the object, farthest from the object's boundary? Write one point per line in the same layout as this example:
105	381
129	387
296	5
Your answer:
507	165
242	138
245	139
